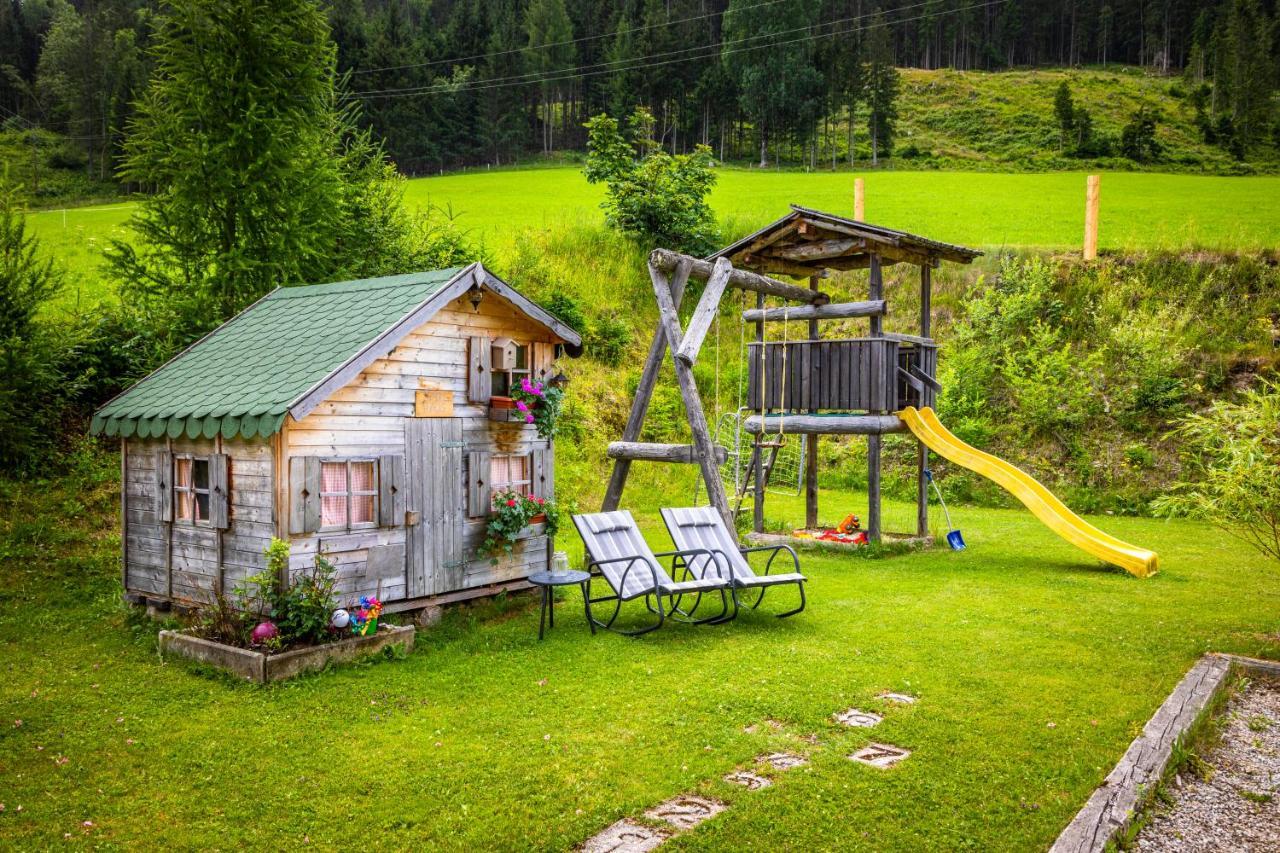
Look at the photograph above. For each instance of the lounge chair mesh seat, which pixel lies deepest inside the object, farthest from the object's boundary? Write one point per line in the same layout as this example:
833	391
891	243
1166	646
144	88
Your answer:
631	568
702	528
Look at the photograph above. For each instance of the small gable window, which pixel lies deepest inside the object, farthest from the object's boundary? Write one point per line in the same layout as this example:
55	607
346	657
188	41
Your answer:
348	489
191	488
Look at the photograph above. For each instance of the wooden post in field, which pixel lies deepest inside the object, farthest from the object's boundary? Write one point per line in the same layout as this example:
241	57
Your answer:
1091	197
858	207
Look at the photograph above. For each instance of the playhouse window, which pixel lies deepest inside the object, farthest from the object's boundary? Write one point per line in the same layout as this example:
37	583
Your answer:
347	491
191	488
505	380
510	473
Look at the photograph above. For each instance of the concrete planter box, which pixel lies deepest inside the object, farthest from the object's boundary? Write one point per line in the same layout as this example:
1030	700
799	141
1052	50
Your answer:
260	667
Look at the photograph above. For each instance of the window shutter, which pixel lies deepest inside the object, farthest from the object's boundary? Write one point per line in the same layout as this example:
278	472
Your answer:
219	491
304	494
544	471
479	495
479	383
391	496
164	485
543	355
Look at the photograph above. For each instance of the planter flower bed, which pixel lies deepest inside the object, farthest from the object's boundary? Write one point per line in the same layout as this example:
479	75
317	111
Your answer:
261	666
271	630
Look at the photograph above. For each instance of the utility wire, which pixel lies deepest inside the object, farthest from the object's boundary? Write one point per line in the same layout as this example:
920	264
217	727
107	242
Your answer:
628	31
630	64
708	52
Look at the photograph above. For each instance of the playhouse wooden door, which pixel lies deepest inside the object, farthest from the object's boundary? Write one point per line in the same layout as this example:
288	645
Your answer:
433	465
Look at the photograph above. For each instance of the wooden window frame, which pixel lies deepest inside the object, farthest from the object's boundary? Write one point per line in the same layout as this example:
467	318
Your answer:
527	370
527	482
193	490
349	493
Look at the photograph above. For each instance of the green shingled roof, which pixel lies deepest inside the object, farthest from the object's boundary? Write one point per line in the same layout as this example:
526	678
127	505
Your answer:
244	376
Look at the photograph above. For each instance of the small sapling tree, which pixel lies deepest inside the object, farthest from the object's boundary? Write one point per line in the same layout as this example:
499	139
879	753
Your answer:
657	198
1231	456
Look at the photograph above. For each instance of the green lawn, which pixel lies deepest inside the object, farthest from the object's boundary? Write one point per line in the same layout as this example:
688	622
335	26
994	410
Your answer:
1139	210
1034	667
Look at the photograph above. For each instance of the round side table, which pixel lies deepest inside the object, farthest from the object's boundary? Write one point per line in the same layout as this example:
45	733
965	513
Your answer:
546	581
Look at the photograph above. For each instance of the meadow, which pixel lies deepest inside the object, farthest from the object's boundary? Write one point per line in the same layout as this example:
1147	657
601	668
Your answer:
1033	667
989	210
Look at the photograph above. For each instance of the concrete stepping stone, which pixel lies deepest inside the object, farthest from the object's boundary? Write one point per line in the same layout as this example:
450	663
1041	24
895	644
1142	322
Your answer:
857	719
880	755
625	836
898	698
686	811
783	760
747	779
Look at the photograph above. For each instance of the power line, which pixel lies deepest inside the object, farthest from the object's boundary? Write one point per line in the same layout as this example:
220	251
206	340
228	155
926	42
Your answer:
628	31
707	52
624	64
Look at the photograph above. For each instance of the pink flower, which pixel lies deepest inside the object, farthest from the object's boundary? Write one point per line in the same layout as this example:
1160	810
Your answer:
540	501
528	419
511	502
522	406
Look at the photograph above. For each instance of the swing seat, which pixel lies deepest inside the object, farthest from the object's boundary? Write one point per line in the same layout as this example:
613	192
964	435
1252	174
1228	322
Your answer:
772	444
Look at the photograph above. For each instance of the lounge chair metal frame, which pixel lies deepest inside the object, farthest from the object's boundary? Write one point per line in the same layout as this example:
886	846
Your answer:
663	586
743	576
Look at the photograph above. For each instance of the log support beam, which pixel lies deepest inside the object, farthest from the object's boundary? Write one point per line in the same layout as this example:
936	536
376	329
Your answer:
640	452
832	311
665	260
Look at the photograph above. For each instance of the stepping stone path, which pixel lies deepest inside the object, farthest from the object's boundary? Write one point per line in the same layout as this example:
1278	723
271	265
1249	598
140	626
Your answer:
783	760
879	755
747	779
858	719
625	836
898	698
686	811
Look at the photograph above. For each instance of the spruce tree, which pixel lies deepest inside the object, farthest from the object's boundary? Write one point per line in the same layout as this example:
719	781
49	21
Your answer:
881	89
258	177
549	55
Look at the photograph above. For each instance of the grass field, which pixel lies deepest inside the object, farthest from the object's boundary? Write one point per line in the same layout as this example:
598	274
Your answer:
1139	210
1034	667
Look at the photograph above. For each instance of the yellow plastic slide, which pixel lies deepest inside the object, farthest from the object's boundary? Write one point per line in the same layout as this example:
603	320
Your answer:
1053	512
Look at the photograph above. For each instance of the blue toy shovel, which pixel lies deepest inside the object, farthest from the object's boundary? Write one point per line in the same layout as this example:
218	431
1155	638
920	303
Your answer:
954	539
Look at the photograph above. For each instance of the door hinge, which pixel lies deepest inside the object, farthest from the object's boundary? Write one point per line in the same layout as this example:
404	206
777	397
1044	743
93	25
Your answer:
455	564
453	444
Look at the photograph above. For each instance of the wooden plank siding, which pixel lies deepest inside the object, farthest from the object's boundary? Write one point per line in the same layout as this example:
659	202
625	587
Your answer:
364	419
856	374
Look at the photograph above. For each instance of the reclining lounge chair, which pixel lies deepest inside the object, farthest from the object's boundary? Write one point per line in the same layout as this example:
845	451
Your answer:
617	550
702	529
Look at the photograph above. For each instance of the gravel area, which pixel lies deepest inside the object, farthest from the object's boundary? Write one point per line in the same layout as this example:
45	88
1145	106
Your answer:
1238	808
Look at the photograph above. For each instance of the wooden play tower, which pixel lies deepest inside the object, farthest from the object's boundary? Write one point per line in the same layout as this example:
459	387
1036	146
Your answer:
811	386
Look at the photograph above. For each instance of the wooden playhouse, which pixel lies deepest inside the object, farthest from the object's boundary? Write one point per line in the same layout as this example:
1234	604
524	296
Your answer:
349	418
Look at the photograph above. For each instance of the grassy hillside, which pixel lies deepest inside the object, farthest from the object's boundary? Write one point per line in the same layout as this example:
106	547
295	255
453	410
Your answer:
993	211
1004	120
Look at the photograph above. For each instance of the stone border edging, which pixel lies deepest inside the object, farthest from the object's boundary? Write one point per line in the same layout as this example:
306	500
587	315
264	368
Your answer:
1113	804
260	668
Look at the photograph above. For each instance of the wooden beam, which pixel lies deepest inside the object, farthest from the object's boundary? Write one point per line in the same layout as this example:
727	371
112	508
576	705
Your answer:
817	251
873	487
876	293
705	313
644	393
825	424
859	197
680	453
670	322
831	311
757	459
811	442
667	260
922	450
1092	195
909	339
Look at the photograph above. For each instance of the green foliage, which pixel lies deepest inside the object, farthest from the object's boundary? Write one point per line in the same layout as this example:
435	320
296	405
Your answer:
302	605
567	308
34	354
609	339
1231	456
259	178
541	402
658	199
882	85
1138	139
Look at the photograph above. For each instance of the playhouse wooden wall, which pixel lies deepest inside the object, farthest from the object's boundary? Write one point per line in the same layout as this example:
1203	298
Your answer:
364	419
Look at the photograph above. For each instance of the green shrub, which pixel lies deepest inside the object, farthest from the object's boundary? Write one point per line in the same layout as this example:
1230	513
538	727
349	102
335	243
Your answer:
568	310
1231	454
301	608
608	339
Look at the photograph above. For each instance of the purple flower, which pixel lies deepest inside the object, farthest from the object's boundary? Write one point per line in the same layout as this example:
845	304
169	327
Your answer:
522	406
528	419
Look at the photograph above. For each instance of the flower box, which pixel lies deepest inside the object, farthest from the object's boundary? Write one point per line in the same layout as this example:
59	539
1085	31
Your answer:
505	410
261	667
